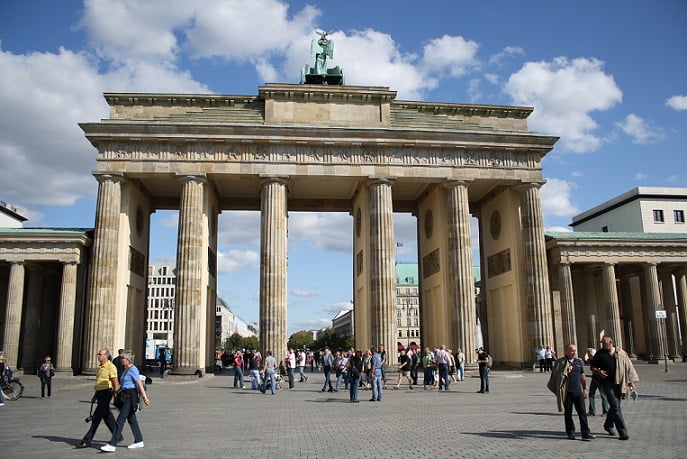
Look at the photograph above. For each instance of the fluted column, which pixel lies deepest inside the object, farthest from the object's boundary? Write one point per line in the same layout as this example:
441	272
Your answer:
188	308
65	318
538	301
653	302
611	304
273	266
382	266
462	308
671	321
15	303
681	283
567	303
100	314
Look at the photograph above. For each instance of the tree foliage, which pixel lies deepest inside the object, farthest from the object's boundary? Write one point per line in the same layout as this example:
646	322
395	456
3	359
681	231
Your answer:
237	341
300	339
329	338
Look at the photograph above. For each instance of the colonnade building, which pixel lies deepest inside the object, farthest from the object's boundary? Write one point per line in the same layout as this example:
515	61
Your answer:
350	149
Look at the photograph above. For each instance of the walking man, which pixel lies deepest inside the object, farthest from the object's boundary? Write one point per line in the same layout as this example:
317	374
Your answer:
291	367
443	361
269	368
569	383
327	362
106	383
376	377
617	378
301	365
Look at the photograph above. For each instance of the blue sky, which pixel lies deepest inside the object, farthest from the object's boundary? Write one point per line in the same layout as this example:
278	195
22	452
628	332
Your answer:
609	78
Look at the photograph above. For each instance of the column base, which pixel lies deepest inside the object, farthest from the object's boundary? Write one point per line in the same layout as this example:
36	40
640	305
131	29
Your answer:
188	371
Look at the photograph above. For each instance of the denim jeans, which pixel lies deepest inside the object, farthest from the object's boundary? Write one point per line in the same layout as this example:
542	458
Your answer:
575	399
341	377
461	372
255	382
443	376
604	402
127	413
354	385
327	377
301	372
289	372
269	378
102	412
238	377
483	378
377	384
428	374
615	415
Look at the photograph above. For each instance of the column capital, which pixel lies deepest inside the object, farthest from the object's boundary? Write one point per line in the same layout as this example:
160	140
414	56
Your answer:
529	185
451	183
198	178
269	178
117	177
381	180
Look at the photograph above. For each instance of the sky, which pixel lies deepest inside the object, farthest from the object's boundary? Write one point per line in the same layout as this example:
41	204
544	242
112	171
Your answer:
609	78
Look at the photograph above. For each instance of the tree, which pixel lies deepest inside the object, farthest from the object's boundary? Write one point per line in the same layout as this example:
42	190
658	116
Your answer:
233	342
251	342
300	339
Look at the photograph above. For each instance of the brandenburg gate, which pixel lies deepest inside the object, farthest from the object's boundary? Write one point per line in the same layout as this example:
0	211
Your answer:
305	147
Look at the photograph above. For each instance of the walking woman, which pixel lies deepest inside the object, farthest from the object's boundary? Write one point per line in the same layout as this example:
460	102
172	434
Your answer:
46	372
126	399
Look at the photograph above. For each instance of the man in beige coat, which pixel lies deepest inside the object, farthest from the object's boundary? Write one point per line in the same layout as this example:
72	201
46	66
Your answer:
616	377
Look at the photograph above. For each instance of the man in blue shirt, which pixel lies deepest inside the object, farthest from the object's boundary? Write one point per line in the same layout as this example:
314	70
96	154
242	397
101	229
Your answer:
376	375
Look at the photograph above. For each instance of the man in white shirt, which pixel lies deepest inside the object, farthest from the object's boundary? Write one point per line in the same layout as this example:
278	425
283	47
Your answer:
301	365
291	367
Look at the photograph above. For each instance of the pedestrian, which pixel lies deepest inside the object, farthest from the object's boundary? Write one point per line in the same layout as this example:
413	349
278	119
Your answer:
443	361
541	358
340	361
460	362
452	366
382	354
327	363
483	361
549	355
255	365
238	370
376	374
569	383
291	367
415	363
404	370
46	372
269	368
163	360
367	367
354	371
301	358
3	369
593	388
617	379
127	400
427	369
106	382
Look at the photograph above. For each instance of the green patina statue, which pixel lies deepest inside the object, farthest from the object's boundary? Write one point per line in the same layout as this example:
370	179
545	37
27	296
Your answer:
322	48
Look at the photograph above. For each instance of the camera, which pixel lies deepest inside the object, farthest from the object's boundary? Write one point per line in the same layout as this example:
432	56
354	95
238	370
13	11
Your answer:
88	419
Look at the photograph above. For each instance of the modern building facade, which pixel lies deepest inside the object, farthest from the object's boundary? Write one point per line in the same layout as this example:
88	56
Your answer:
407	303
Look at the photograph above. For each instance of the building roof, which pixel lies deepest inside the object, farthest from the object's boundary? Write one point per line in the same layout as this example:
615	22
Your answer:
598	235
641	192
406	273
29	231
12	211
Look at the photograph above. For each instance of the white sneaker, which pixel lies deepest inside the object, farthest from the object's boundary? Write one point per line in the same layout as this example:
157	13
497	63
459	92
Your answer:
136	445
108	448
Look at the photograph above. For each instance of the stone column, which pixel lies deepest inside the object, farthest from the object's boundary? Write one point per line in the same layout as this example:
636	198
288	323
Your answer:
538	300
100	313
671	321
15	303
593	324
653	303
567	304
611	304
382	267
65	319
273	266
681	282
462	309
188	307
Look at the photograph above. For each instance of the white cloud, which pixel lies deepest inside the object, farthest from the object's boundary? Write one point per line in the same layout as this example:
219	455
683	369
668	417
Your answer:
672	178
577	173
507	53
677	102
322	231
336	308
237	260
303	293
640	131
452	55
492	78
563	94
239	228
641	176
558	229
555	198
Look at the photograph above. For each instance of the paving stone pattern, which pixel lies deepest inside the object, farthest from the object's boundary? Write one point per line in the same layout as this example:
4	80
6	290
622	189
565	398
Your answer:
207	418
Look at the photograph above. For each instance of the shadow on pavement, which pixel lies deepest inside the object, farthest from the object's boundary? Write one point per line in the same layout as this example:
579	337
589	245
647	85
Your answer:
519	434
68	441
532	413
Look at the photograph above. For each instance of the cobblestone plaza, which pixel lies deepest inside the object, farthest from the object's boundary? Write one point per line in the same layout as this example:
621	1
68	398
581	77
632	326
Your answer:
206	418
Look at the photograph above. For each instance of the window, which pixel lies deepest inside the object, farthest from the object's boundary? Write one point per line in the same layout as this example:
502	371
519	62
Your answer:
604	229
398	322
400	334
658	216
679	216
